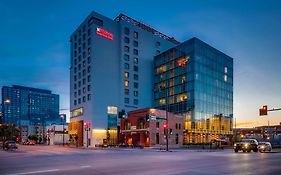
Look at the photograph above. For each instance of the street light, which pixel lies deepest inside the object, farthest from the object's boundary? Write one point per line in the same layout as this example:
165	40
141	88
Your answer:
62	119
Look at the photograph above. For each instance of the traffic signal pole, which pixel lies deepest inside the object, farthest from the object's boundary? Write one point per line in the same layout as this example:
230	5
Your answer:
167	123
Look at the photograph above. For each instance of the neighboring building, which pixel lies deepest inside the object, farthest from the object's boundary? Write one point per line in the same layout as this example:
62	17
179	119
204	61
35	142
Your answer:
111	69
196	79
146	127
31	109
1	114
57	134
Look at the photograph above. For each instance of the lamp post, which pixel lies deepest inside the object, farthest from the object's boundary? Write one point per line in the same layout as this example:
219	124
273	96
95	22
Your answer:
62	119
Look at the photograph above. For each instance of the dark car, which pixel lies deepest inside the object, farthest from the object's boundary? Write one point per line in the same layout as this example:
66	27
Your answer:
246	145
10	145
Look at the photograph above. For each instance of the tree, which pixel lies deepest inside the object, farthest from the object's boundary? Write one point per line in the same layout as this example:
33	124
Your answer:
9	132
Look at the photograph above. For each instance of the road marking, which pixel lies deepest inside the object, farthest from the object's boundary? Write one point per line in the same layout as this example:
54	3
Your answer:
36	172
85	166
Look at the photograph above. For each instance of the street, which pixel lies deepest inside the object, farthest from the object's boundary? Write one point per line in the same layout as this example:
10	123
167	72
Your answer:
65	160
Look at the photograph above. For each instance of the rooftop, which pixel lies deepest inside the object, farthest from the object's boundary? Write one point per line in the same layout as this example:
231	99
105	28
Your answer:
145	27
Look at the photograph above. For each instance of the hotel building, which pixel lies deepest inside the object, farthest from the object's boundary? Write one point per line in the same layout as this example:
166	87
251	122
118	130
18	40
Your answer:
111	70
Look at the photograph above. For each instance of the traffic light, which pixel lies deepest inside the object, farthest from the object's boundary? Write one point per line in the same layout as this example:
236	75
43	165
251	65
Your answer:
165	125
147	117
171	131
122	114
263	110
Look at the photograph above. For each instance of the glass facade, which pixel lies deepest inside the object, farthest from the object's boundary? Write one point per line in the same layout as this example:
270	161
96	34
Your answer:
29	104
196	79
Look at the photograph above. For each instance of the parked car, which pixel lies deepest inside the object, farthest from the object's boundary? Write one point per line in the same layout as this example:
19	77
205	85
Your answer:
10	145
246	145
29	143
264	146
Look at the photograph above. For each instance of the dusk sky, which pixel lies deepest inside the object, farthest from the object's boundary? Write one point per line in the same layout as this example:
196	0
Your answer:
35	48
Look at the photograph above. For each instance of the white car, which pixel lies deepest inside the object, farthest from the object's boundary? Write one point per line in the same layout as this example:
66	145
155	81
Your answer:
264	146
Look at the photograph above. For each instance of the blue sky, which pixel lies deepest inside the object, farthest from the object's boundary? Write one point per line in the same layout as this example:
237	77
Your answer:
34	42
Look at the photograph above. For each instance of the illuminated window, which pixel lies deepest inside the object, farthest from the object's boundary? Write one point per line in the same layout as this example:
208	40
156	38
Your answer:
225	69
111	110
161	69
127	91
126	83
126	74
182	61
225	78
183	79
181	97
162	101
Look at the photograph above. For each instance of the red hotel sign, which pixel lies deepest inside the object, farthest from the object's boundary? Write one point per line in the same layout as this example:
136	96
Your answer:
104	33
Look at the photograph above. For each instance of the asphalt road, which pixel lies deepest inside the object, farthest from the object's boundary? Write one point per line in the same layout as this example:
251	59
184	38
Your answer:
62	160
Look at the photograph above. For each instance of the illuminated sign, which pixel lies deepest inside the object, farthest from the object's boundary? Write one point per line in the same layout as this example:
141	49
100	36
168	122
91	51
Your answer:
104	33
76	112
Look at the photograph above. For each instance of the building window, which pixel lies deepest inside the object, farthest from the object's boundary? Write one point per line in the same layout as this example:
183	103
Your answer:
179	126
136	102
126	49
84	90
126	57
75	53
157	138
136	93
75	70
89	59
127	66
89	32
176	126
79	50
89	97
126	83
84	99
75	61
79	92
162	101
89	78
79	58
75	94
75	102
75	86
136	76
126	91
84	81
136	60
79	67
177	138
84	45
136	44
89	69
126	74
157	52
84	72
225	70
127	100
136	35
126	30
79	101
136	68
89	87
136	52
127	40
75	78
84	63
136	85
89	41
157	44
157	124
96	21
225	78
79	83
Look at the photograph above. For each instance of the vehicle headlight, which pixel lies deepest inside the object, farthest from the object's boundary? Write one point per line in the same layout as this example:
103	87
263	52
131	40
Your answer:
235	144
262	147
246	145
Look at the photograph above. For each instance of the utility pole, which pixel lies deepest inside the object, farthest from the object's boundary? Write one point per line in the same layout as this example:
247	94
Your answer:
167	121
62	119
